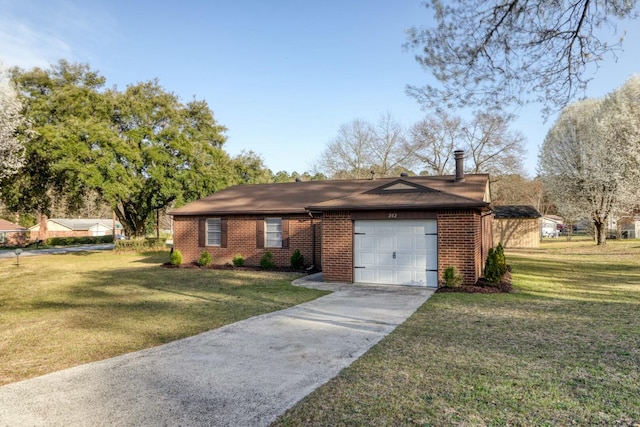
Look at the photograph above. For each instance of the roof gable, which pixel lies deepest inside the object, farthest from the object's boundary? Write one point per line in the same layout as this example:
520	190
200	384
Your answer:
400	186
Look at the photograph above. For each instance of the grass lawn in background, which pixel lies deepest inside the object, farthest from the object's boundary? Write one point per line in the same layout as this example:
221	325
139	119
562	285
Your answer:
562	349
58	311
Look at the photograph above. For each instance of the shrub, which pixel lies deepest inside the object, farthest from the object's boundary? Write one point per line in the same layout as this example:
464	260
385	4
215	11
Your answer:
500	258
238	260
140	245
176	257
297	260
496	266
80	240
451	278
205	259
267	260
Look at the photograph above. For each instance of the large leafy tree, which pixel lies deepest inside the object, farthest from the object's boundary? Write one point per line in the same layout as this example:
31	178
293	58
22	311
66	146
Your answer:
160	151
590	159
509	52
65	108
139	150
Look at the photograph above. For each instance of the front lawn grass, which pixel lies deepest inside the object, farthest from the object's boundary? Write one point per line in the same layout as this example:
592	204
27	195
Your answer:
58	311
562	349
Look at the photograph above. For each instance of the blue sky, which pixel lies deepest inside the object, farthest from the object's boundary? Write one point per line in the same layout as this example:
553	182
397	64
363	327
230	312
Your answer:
281	75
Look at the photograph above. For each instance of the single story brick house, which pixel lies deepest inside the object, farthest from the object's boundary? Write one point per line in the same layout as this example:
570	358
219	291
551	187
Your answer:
516	226
12	234
75	227
403	230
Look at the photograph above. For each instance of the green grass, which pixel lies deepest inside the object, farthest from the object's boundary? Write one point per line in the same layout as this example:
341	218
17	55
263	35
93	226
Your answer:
58	311
562	349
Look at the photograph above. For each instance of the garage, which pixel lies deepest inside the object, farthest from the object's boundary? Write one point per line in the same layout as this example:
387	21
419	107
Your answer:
401	252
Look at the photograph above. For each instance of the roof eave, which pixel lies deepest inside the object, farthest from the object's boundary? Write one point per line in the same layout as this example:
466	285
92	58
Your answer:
239	212
481	205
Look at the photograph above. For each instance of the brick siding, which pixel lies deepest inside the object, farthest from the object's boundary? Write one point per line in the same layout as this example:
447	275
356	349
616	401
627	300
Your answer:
241	239
337	247
464	237
461	243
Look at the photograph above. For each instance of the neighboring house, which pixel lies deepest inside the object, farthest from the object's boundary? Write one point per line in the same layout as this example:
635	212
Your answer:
550	225
516	226
65	227
404	230
12	234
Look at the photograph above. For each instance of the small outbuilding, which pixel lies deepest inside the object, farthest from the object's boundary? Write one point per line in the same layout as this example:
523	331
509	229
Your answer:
516	226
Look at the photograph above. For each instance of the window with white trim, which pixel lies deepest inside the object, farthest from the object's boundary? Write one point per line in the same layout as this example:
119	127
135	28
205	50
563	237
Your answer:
273	232
214	232
3	237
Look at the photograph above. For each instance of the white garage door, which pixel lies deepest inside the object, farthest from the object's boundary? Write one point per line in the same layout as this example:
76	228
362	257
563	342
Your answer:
396	252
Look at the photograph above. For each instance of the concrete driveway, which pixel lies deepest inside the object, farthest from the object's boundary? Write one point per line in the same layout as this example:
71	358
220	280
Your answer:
244	374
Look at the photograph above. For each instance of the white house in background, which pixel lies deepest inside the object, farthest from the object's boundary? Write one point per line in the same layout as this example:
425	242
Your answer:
550	225
65	227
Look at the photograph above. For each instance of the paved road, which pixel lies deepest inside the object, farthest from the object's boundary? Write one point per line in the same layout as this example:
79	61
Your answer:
244	374
60	250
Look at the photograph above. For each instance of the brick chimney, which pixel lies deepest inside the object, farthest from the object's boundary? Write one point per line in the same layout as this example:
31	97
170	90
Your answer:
458	155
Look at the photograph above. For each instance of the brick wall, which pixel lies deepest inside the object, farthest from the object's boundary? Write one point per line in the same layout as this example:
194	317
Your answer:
13	238
337	250
241	239
460	243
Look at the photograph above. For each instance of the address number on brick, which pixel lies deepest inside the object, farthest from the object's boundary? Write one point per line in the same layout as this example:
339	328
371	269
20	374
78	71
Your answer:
392	216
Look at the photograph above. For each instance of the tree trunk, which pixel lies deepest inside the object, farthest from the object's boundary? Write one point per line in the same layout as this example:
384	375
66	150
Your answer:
601	232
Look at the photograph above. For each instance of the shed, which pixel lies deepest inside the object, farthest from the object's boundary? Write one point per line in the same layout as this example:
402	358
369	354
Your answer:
516	226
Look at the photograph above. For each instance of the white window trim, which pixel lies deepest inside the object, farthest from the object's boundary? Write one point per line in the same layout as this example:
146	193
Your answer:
273	234
208	242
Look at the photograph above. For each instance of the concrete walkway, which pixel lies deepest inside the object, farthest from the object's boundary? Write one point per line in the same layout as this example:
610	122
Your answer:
244	374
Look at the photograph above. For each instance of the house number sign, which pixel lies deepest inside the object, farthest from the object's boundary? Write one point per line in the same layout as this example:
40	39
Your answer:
392	215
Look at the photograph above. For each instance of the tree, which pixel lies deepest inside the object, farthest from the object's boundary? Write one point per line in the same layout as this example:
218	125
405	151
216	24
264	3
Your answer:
249	168
63	106
494	53
519	190
433	141
139	150
11	120
489	145
161	151
590	158
361	149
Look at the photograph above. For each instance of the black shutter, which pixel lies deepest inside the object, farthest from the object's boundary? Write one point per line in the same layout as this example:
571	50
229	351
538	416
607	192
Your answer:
223	233
260	233
202	232
285	233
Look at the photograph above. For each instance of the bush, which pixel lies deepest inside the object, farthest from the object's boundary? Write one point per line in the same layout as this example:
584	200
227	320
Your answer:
205	259
297	260
267	260
176	257
82	240
451	278
238	260
496	265
140	245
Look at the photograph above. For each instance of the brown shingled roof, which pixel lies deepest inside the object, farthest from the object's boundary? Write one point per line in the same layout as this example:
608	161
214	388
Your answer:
10	226
299	197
